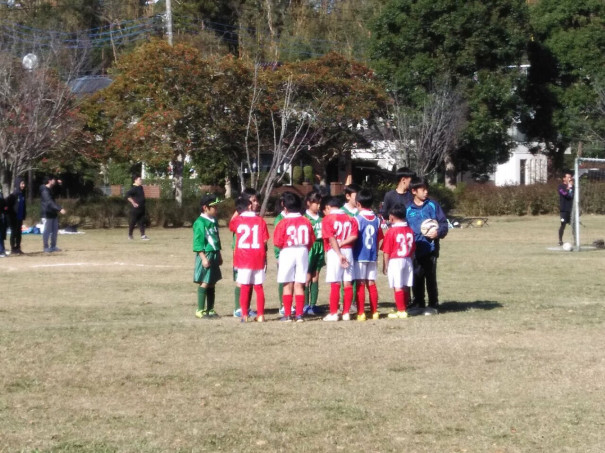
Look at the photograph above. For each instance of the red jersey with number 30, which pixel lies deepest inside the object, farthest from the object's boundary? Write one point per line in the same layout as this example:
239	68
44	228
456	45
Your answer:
399	241
340	226
292	231
251	234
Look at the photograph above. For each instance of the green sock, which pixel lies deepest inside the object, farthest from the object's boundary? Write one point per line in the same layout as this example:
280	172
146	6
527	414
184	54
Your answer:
280	292
201	298
210	293
236	292
314	293
307	293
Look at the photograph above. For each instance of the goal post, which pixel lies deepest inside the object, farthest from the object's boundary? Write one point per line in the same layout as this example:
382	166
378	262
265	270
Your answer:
589	199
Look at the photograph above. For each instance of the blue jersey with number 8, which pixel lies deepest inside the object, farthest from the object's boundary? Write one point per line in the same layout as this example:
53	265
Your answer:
370	233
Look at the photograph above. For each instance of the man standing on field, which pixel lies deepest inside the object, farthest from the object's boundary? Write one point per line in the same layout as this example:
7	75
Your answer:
566	192
136	198
49	211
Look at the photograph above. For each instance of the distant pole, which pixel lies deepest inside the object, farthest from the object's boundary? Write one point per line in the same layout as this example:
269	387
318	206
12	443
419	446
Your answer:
169	21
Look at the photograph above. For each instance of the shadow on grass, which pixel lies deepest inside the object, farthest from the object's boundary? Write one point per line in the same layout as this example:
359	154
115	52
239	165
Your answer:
454	306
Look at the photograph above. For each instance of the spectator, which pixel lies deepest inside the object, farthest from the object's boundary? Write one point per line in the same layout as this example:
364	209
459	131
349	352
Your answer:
16	215
49	210
136	197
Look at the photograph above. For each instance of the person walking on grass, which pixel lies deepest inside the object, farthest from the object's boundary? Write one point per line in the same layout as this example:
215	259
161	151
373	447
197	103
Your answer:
49	211
208	259
16	215
566	193
136	198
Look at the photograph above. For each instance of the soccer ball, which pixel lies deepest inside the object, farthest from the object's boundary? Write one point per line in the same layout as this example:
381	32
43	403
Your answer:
567	247
428	225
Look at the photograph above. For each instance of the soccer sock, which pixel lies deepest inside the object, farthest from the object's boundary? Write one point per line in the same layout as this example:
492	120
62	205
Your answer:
245	291
314	293
280	293
287	298
308	293
348	299
361	297
260	299
373	289
201	298
300	302
236	293
400	300
210	297
334	297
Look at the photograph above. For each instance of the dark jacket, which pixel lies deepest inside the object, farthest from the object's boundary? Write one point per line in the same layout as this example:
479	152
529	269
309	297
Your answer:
565	198
17	207
393	198
49	209
415	215
138	195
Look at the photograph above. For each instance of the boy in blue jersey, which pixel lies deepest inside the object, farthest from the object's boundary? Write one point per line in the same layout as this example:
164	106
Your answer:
427	247
365	254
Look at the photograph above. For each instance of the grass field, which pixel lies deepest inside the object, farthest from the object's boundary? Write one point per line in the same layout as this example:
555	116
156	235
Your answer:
101	352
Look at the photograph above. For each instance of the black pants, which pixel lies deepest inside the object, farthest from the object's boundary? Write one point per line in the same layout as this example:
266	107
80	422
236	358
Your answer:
425	274
565	220
15	240
137	216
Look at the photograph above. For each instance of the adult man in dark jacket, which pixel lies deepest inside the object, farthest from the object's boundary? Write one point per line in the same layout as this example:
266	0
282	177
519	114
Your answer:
136	198
16	215
49	211
566	193
401	194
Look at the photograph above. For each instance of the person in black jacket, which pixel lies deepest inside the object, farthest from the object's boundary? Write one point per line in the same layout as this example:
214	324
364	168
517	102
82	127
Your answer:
136	197
400	195
16	215
566	193
49	211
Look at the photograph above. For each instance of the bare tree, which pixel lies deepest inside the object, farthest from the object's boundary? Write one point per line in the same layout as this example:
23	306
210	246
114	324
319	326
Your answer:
37	107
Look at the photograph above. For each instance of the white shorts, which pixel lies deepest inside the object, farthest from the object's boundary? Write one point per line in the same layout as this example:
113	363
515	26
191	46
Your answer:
334	272
293	265
250	276
365	270
400	272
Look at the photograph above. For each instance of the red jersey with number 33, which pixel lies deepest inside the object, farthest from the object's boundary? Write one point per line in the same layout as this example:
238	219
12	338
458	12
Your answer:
340	226
292	231
399	241
251	234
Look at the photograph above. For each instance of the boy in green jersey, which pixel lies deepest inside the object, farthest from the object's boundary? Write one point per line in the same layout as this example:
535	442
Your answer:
316	254
350	208
208	259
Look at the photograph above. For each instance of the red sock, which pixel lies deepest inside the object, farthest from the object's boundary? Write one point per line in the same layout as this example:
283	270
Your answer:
300	302
260	299
373	298
287	300
334	297
244	298
400	300
361	297
347	299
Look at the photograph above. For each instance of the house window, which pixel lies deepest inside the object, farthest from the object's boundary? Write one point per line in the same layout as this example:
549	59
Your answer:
522	165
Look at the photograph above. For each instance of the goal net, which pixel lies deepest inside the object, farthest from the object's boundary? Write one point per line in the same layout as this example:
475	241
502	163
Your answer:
588	219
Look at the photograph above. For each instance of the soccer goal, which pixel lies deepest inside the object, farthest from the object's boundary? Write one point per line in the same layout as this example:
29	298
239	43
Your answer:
589	204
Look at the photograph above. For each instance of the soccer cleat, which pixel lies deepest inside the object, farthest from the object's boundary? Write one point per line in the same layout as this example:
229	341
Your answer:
331	317
346	317
398	315
244	319
286	319
375	315
313	311
200	313
237	313
361	317
260	319
299	319
130	238
428	311
306	309
212	314
144	238
252	314
282	310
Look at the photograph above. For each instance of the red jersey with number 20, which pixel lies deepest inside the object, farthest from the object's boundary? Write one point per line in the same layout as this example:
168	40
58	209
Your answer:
399	241
251	234
292	231
338	225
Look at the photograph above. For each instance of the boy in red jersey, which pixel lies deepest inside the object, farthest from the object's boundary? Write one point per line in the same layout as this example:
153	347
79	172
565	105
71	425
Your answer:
398	248
339	232
294	237
250	256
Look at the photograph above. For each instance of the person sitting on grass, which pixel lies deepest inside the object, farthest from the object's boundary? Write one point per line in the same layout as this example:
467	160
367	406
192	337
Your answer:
398	247
294	237
208	259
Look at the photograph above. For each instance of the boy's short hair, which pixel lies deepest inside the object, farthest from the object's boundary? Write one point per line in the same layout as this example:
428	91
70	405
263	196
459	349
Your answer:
398	211
334	202
365	198
292	202
242	204
418	182
135	177
313	197
48	178
249	192
352	188
404	172
568	172
323	204
208	200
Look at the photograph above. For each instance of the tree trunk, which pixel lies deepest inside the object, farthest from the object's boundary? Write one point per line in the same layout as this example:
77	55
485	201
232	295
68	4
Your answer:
450	171
5	181
227	186
177	175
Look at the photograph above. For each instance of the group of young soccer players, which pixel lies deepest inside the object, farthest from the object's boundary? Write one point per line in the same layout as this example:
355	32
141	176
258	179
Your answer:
343	238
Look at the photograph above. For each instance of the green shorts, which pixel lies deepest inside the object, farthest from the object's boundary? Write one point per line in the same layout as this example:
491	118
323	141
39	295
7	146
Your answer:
316	257
209	275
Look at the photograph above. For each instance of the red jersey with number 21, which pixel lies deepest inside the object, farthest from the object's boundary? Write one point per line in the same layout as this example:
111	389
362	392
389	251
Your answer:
338	225
293	230
399	241
251	234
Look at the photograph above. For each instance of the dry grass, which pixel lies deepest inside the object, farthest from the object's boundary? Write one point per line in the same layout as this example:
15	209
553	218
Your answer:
101	352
